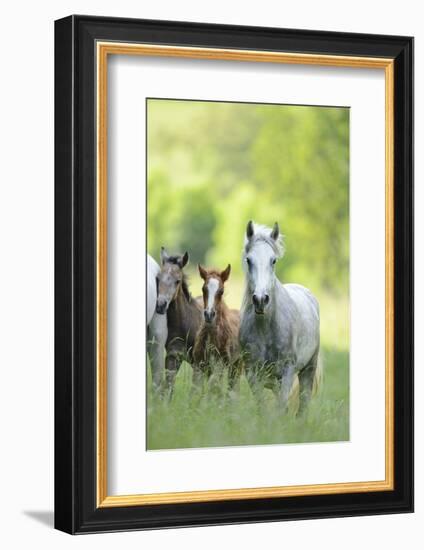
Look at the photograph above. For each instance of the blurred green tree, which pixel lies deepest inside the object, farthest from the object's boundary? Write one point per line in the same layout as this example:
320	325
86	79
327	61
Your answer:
196	224
213	166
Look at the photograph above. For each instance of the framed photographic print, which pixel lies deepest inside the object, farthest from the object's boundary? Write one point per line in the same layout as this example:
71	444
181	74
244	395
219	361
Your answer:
234	274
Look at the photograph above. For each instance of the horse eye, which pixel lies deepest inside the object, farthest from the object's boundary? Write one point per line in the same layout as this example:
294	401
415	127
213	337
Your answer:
249	263
273	261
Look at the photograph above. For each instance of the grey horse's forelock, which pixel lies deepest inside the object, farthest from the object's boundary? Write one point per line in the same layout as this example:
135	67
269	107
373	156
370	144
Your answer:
263	233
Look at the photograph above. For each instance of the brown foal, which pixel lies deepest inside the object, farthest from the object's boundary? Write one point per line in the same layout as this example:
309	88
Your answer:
218	336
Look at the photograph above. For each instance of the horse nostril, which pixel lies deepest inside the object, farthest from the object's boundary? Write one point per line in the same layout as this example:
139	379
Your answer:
255	299
266	299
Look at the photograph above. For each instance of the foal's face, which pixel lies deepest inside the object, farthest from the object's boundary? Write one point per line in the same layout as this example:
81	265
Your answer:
213	290
169	279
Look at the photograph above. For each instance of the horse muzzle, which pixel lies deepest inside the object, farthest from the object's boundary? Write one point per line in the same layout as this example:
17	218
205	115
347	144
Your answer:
161	307
260	302
209	316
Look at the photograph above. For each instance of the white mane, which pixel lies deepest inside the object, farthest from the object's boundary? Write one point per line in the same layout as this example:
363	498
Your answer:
263	233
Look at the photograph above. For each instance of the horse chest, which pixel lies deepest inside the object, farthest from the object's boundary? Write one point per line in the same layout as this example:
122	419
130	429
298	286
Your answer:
182	327
213	340
265	341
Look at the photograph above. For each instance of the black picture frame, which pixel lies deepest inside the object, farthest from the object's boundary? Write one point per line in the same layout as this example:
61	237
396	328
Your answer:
76	510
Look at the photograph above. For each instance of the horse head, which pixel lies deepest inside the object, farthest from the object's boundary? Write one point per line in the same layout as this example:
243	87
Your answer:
213	290
263	247
170	279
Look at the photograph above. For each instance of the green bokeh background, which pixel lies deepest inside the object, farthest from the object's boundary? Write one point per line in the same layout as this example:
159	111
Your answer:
212	166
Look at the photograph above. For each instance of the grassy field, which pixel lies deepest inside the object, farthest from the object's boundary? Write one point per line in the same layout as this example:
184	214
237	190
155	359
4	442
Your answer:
218	421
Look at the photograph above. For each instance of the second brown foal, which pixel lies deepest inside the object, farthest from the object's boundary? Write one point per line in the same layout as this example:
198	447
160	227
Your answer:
217	340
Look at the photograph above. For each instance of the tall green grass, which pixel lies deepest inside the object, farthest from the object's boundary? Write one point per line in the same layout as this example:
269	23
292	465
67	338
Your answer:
217	420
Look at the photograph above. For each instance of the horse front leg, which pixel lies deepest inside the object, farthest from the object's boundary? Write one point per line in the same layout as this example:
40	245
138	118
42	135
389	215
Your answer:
235	368
197	382
256	384
234	371
172	366
198	365
215	374
286	377
158	333
306	382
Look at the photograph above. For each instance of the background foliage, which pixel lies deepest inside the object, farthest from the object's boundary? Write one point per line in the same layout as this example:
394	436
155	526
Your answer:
213	166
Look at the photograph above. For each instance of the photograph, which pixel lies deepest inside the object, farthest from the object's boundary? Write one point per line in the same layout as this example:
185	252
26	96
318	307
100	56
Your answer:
247	265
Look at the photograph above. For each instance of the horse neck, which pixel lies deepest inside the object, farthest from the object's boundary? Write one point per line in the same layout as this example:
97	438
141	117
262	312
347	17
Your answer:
180	306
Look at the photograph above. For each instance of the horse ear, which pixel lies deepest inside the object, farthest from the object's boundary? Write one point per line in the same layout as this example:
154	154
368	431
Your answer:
275	231
202	272
164	256
226	273
184	260
250	230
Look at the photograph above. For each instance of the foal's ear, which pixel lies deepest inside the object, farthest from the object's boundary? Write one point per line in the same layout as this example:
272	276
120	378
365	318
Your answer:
250	230
202	272
275	231
164	256
226	273
184	260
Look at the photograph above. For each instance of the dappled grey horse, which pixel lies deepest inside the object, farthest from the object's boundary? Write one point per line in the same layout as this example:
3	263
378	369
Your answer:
279	330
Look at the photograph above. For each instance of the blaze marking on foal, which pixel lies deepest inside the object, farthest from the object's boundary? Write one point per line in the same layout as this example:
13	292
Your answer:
211	290
218	334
